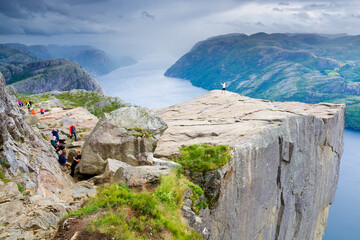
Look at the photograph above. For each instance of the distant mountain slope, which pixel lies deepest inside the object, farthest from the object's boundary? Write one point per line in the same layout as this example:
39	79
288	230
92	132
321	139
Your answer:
94	60
15	56
281	67
28	74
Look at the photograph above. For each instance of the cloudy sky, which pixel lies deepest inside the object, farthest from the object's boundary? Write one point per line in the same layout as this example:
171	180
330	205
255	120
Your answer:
140	27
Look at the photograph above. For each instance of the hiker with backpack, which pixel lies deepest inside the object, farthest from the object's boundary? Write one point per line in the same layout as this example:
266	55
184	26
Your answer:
42	112
72	131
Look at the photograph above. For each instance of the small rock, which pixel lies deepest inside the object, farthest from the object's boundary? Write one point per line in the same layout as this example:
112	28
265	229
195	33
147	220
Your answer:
31	119
42	126
167	163
138	175
77	144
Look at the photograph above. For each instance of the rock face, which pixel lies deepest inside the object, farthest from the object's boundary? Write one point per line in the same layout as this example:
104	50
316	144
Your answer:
127	134
31	179
48	75
284	170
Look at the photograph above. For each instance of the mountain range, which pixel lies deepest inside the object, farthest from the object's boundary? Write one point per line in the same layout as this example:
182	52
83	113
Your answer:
308	68
93	60
26	73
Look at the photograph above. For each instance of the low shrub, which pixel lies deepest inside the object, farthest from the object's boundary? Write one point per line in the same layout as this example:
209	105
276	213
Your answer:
203	157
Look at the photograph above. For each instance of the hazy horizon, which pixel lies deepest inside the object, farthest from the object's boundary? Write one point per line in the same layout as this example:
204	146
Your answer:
143	28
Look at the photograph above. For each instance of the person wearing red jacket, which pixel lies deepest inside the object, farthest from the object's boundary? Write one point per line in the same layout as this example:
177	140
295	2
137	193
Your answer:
72	131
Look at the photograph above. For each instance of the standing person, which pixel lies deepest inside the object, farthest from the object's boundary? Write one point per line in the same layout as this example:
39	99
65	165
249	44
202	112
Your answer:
55	133
30	102
223	89
72	131
26	102
28	106
19	102
75	162
33	112
42	112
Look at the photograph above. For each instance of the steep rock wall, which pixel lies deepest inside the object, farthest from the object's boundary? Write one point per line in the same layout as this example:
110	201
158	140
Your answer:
284	170
28	161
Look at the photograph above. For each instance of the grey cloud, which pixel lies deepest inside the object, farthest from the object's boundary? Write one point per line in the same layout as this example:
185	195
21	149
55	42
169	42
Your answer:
26	9
284	4
260	24
145	15
277	10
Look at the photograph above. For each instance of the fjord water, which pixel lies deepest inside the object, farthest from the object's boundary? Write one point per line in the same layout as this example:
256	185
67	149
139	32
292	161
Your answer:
343	221
144	84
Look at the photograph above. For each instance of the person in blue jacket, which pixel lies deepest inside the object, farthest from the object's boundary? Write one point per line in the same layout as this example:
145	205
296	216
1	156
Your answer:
62	158
55	133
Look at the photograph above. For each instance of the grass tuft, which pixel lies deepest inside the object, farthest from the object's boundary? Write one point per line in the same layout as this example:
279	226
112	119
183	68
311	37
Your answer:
126	214
203	157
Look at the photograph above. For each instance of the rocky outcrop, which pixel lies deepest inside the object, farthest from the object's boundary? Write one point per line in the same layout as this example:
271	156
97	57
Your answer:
281	180
95	61
32	183
49	75
127	134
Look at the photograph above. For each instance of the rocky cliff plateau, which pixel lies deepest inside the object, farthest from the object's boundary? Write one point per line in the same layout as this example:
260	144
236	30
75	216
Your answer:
279	183
284	170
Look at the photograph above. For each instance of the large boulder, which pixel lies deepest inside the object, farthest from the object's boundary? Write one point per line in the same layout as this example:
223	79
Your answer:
128	134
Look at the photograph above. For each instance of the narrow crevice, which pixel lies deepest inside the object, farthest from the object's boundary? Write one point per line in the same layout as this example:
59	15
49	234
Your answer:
280	216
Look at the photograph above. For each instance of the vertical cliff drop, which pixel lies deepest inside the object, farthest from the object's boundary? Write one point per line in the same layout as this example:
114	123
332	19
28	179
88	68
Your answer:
284	170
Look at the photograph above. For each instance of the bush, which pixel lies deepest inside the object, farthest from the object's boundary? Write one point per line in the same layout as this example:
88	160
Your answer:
126	214
203	157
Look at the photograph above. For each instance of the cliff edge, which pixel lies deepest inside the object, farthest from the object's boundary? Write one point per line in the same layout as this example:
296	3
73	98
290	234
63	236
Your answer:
281	180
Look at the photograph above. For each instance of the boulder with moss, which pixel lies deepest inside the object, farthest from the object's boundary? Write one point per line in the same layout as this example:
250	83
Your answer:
127	134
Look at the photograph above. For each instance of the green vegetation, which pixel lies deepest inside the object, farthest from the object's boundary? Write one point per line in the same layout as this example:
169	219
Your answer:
106	109
3	177
5	164
203	157
89	100
126	214
140	133
21	188
278	67
196	193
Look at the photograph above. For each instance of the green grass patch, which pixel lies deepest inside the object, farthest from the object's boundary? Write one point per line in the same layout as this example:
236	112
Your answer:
3	177
5	164
203	157
21	188
127	214
88	100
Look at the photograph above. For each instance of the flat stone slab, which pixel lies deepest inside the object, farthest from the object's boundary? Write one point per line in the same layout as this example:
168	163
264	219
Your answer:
229	118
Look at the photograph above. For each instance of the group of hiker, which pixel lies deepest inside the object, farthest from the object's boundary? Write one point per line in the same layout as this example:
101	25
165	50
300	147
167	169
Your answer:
29	106
55	141
61	151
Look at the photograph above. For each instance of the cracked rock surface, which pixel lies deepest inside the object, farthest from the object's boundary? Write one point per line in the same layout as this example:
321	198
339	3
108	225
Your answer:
281	180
